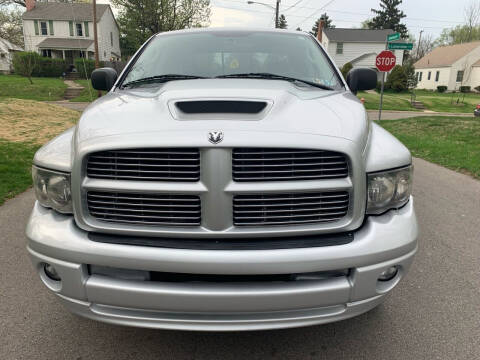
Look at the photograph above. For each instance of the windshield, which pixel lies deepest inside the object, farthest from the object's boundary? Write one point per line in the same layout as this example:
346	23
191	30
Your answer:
220	53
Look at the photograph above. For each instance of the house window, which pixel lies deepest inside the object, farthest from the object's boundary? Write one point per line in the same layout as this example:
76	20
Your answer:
420	76
429	75
79	30
339	48
437	75
460	76
47	53
43	28
111	38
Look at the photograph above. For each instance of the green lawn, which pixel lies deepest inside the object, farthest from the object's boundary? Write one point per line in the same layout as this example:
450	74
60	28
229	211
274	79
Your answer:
15	164
88	94
448	141
434	101
24	126
15	86
391	101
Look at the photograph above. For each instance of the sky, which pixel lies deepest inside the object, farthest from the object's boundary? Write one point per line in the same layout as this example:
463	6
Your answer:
428	15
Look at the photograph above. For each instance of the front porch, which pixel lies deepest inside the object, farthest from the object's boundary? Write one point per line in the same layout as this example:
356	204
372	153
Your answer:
67	49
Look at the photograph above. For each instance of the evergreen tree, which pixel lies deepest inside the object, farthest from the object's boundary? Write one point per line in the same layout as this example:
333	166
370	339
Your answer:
327	24
282	22
389	17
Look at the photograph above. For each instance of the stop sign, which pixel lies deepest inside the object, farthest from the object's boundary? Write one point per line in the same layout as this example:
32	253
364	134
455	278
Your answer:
385	61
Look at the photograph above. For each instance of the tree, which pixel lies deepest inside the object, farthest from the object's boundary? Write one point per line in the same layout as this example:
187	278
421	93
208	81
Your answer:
423	47
25	63
327	24
457	35
346	68
11	26
389	17
282	22
140	19
398	79
299	29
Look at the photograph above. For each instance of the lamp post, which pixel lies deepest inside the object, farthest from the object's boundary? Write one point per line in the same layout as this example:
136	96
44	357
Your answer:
276	8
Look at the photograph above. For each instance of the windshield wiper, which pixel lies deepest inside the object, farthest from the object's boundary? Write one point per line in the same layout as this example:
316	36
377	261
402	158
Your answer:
273	77
161	79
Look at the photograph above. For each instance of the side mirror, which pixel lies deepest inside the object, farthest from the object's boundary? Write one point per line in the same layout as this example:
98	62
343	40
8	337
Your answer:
104	78
361	79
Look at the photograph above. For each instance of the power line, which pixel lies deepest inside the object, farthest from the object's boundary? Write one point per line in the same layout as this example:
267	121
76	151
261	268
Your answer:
305	18
291	7
351	12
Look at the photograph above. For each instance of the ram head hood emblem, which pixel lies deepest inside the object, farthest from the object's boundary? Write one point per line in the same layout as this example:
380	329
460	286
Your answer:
215	136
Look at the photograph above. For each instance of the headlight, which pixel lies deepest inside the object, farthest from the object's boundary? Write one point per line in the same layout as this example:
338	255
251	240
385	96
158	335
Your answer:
52	189
389	189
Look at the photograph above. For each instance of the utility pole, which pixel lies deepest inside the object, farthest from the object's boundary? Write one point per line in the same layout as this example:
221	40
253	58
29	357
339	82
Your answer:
277	10
95	39
419	42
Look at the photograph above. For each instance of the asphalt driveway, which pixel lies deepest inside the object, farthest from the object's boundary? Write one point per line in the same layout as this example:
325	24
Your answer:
433	314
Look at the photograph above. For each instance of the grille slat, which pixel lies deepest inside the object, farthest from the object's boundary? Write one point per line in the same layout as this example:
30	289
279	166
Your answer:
266	164
289	209
147	209
179	164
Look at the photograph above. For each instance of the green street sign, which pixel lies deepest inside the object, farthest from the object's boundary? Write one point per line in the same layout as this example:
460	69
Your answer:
400	46
393	37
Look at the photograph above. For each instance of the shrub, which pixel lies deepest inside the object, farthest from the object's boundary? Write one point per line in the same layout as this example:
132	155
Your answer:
477	88
397	80
441	88
49	67
464	89
85	67
25	63
346	68
32	64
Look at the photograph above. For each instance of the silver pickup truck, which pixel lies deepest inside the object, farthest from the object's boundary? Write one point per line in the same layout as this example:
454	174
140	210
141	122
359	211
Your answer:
229	180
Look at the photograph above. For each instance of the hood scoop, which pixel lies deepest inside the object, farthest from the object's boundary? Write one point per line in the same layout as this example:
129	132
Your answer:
220	109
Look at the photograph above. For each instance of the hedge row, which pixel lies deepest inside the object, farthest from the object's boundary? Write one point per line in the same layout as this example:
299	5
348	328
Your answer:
41	66
85	67
50	67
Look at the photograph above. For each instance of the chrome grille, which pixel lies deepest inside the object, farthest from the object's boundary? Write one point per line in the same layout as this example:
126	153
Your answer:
145	209
265	164
289	208
155	164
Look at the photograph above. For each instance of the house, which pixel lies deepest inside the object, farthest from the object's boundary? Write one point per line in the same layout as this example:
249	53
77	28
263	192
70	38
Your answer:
358	47
65	30
451	66
6	54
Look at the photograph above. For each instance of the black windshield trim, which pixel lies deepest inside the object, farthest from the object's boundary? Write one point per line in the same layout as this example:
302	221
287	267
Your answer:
133	61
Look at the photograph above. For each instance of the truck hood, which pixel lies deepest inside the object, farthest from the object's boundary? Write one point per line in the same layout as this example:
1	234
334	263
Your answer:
291	108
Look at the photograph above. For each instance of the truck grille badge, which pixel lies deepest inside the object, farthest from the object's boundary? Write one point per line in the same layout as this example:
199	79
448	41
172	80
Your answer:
215	136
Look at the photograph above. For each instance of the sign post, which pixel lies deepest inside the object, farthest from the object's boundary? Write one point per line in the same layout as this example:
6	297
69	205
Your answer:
385	61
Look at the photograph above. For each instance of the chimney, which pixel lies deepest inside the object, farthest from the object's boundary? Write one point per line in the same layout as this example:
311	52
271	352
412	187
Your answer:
320	31
30	4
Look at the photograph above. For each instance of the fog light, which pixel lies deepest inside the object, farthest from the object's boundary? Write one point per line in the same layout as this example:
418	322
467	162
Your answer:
51	272
388	274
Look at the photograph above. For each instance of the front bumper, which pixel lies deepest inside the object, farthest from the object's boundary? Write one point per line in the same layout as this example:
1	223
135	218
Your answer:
383	241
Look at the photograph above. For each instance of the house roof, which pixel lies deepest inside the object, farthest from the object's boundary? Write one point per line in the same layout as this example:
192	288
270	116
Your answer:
357	35
6	46
58	43
443	56
64	11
